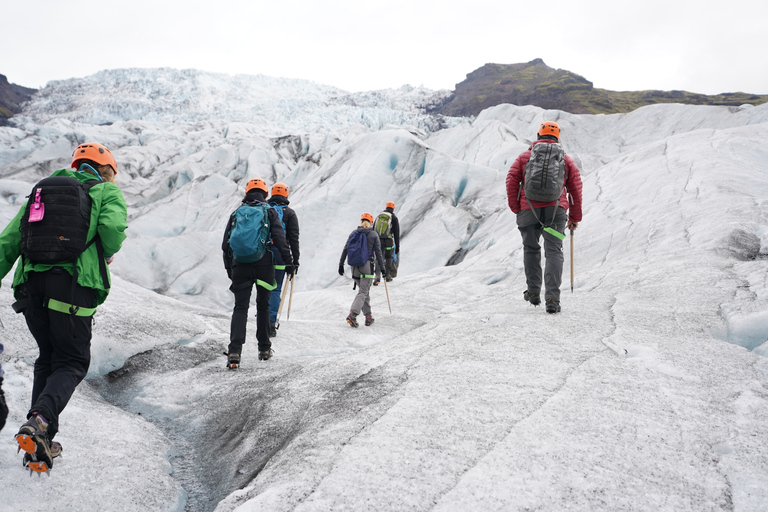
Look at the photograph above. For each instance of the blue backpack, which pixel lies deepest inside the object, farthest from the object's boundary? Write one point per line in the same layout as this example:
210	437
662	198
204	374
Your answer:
280	209
250	232
357	249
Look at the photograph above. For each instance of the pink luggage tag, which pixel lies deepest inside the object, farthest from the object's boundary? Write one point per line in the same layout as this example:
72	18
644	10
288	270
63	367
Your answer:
37	210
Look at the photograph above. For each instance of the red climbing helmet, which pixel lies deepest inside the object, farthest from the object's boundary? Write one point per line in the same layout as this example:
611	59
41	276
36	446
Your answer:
94	152
280	189
549	128
256	183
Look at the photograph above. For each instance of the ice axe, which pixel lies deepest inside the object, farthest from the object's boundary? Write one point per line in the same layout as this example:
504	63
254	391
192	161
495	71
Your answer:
571	261
387	290
290	298
282	300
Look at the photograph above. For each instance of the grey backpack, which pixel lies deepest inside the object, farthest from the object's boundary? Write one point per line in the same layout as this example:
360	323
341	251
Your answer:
544	174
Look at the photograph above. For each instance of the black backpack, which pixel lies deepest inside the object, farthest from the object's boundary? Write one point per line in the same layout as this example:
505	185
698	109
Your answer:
55	224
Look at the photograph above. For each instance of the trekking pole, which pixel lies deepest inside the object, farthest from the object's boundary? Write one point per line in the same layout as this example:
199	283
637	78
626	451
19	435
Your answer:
290	299
571	261
387	290
282	299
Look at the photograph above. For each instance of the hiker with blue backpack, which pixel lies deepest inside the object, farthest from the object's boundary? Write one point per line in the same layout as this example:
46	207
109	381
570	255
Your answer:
248	261
290	222
359	251
544	192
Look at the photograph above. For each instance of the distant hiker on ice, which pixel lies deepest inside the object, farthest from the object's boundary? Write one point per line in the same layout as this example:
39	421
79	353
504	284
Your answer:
3	405
66	234
388	228
249	261
362	244
279	202
542	184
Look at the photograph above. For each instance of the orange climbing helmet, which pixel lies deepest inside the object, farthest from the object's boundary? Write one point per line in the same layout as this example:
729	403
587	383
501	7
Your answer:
94	152
549	128
391	205
280	189
256	183
367	216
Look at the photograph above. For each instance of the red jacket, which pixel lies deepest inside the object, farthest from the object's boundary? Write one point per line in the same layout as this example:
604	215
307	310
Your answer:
516	195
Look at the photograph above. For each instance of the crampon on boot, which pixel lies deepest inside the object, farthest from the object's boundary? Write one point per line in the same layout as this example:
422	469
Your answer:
33	439
553	306
233	360
535	300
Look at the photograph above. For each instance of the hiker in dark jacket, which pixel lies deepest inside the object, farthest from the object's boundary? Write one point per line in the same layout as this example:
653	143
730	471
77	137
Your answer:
363	275
390	243
59	299
533	217
279	201
245	275
3	405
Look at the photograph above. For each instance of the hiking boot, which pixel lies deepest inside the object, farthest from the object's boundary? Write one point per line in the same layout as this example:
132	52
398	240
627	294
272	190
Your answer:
233	361
376	282
56	450
368	320
266	354
33	439
553	306
535	300
272	330
352	319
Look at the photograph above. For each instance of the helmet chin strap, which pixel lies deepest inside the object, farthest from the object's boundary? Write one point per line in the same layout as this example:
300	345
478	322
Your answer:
89	168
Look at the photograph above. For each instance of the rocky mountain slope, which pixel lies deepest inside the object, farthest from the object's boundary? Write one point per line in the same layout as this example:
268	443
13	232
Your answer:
11	98
535	83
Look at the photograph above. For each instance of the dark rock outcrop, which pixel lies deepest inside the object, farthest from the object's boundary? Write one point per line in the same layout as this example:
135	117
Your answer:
12	96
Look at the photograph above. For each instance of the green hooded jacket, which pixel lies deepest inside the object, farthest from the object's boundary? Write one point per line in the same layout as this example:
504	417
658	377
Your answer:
108	218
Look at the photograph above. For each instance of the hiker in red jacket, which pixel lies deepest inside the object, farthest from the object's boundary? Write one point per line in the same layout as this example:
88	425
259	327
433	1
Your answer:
547	218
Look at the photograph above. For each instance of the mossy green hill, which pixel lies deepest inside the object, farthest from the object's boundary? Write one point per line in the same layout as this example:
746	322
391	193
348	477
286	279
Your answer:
535	83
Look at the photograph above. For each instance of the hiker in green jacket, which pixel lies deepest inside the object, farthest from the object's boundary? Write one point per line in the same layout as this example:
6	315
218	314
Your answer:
59	296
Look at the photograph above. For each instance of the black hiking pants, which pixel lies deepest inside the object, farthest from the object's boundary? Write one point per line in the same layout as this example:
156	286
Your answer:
64	341
244	276
388	250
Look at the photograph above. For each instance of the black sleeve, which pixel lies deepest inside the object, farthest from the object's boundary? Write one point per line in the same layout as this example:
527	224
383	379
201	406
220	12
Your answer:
278	236
376	248
396	232
292	232
225	245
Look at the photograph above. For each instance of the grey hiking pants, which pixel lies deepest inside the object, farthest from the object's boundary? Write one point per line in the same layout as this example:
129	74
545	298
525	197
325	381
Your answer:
362	301
531	231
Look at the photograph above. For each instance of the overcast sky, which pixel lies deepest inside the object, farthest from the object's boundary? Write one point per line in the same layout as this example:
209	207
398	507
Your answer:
360	45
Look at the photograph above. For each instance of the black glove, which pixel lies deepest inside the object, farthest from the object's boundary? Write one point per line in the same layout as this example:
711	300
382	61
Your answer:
384	272
229	273
3	406
295	267
341	269
290	270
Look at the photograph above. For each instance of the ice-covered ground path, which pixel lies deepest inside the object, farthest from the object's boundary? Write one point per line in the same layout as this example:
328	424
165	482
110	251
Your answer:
463	398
